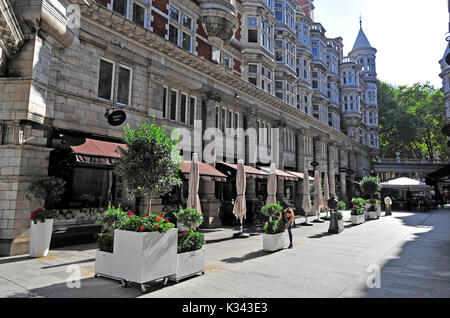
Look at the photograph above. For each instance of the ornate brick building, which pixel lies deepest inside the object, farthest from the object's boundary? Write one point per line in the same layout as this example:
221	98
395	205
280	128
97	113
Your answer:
192	64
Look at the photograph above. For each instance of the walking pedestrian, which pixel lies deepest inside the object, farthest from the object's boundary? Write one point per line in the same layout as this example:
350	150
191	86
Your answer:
287	220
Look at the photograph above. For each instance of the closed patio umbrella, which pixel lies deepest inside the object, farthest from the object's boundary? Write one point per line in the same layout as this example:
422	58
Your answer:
317	197
240	206
193	201
272	186
326	193
306	204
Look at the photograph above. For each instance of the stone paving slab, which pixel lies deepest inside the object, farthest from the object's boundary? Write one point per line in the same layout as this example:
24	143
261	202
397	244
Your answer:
412	250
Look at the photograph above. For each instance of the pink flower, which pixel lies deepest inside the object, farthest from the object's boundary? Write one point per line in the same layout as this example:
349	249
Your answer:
167	220
142	228
130	213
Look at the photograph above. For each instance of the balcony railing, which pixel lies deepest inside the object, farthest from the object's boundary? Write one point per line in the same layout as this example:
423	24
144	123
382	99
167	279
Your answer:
395	161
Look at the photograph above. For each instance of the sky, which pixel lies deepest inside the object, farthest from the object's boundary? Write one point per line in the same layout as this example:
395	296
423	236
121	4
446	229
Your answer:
408	34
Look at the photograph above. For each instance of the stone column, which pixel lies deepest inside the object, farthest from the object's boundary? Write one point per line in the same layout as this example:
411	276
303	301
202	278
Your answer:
210	205
19	164
318	154
251	117
343	175
300	166
331	168
352	165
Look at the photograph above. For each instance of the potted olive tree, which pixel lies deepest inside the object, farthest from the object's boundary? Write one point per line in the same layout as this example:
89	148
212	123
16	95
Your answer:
191	255
47	191
273	237
371	186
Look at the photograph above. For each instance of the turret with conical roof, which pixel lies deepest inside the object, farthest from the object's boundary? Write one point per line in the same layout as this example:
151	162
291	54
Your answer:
365	55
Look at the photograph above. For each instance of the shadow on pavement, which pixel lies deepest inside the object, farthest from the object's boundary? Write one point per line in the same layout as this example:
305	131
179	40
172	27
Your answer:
92	287
15	259
246	257
421	266
71	263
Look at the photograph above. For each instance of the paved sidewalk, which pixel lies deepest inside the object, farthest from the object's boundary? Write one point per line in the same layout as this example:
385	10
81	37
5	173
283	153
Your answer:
412	250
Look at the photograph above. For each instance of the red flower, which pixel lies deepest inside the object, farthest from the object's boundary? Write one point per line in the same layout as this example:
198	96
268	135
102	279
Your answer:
148	216
33	214
130	213
158	219
31	218
112	232
167	220
156	225
39	210
161	216
142	228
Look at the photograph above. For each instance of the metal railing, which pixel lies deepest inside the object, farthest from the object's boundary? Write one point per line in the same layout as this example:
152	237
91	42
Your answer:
410	161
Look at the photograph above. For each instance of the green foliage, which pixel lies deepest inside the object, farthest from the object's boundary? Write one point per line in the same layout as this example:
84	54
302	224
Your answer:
41	215
190	240
111	218
342	205
340	215
273	227
370	186
358	201
272	211
105	242
372	208
411	119
150	223
189	218
357	210
151	162
46	190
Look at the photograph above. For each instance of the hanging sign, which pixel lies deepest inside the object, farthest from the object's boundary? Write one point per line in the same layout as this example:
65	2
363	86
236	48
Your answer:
117	118
314	163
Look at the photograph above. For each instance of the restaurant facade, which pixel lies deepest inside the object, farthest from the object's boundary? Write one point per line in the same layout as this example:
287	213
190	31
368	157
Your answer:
67	67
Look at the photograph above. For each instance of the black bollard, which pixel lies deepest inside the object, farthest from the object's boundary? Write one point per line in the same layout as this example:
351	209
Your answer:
334	227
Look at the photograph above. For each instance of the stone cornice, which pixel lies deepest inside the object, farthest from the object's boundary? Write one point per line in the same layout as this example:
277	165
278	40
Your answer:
11	36
149	40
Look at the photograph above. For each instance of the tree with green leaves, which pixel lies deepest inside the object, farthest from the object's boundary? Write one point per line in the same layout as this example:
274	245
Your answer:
411	119
45	190
370	186
150	164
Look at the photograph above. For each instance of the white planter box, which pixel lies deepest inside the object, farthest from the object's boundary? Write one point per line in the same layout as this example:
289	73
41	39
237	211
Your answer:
189	264
104	263
144	257
373	215
341	225
273	242
378	210
40	237
358	219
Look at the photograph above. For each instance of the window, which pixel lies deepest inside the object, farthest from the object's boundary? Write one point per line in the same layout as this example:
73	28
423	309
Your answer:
252	21
279	56
222	120
120	7
192	110
278	85
187	22
230	119
105	81
124	86
236	120
279	16
174	14
186	41
138	14
164	102
253	68
253	36
183	108
252	80
226	61
173	34
173	105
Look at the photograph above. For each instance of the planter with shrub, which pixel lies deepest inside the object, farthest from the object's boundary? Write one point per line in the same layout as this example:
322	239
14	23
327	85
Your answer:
340	217
191	255
45	190
104	257
273	237
372	211
357	213
145	249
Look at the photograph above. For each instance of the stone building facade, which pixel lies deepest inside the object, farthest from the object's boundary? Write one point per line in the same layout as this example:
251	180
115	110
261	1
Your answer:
192	64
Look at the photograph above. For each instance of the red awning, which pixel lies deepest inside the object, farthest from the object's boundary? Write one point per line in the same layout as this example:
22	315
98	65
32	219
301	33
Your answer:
92	151
300	175
206	171
250	171
282	175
